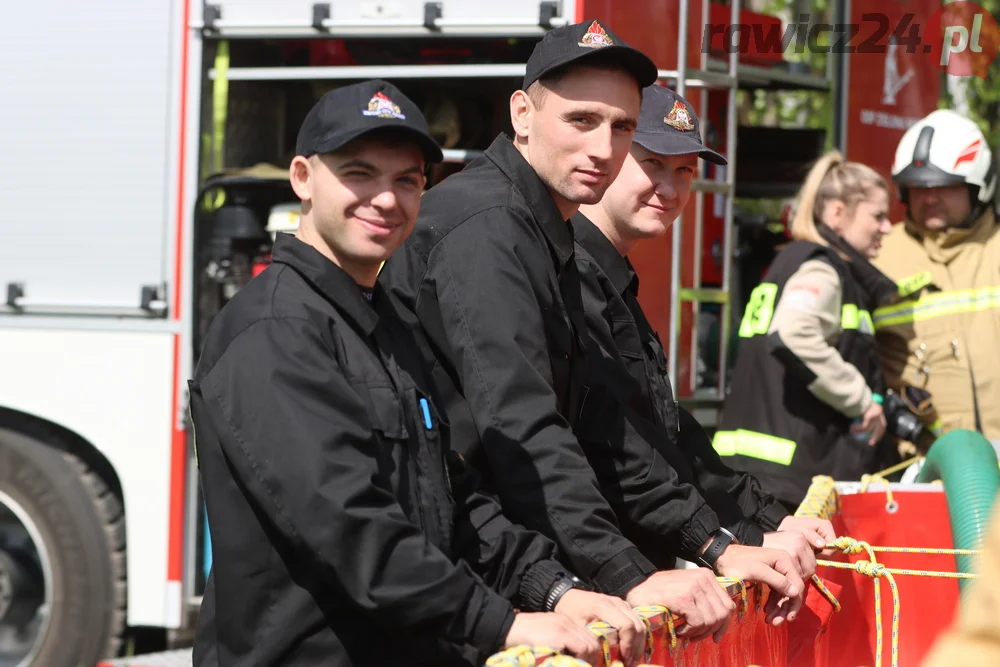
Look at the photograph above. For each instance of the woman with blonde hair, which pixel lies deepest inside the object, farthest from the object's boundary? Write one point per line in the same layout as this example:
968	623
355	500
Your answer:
806	392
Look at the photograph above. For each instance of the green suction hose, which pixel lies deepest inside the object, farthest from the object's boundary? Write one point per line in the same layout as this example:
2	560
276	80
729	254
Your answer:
966	463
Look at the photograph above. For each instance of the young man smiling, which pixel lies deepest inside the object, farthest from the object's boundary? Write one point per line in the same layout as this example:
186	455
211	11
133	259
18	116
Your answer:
489	273
344	530
649	193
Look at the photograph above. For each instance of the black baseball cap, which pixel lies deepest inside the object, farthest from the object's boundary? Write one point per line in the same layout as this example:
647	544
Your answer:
587	40
349	112
668	125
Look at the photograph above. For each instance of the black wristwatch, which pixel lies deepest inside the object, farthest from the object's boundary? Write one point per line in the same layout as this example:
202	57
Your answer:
721	539
564	583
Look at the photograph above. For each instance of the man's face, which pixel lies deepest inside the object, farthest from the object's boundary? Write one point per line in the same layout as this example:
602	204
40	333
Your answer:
579	137
939	208
649	193
363	200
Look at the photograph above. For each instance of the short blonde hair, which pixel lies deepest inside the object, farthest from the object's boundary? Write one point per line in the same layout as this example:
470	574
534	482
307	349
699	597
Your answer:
832	178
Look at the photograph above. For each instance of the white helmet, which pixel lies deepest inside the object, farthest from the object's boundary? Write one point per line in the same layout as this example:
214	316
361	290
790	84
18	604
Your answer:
942	149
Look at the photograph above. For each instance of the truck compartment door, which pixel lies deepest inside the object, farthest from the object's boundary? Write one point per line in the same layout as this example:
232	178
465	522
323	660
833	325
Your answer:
88	155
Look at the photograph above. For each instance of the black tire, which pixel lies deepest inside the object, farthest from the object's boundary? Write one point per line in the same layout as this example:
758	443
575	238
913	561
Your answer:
81	525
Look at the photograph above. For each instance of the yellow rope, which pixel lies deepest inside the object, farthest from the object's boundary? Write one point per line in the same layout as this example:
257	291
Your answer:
729	581
821	499
601	629
872	568
567	661
646	614
890	505
898	570
922	550
851	546
899	466
826	592
520	656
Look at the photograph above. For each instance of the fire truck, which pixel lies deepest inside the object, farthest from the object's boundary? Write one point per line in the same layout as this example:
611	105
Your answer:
143	172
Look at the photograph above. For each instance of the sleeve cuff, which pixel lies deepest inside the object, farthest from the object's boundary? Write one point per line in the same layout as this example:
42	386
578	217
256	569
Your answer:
748	533
537	583
866	402
697	530
770	516
494	621
623	573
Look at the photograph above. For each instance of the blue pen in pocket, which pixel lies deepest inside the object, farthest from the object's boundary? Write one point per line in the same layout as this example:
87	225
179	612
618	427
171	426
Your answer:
426	409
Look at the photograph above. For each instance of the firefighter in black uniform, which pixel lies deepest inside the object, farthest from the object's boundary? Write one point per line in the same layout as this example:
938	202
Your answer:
345	531
489	273
807	386
649	193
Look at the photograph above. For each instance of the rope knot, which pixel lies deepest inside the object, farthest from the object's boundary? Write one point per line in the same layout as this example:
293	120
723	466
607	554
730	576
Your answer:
870	569
849	545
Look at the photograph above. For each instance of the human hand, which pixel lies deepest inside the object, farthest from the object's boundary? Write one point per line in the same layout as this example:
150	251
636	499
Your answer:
694	594
818	532
793	543
583	607
872	422
772	567
556	630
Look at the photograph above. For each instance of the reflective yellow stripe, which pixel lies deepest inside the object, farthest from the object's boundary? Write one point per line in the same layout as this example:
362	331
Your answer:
852	317
938	305
913	284
754	445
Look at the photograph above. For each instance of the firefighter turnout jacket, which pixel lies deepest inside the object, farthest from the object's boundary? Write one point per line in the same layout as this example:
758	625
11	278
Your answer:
489	273
648	416
344	531
943	334
807	367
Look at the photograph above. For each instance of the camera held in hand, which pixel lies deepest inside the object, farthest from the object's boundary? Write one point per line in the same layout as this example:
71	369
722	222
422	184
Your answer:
899	420
910	416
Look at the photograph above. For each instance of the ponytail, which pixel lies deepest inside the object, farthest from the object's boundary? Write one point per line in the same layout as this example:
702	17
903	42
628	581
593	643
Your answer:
831	178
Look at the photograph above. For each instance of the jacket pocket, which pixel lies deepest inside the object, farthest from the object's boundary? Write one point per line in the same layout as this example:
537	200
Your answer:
626	339
384	410
431	481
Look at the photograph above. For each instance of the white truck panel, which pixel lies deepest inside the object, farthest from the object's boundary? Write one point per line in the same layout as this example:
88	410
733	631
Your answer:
86	145
113	389
453	16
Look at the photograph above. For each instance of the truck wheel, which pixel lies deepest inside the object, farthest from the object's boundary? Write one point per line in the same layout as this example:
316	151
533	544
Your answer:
62	558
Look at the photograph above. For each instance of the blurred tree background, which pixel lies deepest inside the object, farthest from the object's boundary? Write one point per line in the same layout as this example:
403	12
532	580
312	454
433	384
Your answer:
978	98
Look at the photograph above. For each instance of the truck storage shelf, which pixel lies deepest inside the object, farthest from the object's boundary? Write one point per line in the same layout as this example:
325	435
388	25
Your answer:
356	72
771	78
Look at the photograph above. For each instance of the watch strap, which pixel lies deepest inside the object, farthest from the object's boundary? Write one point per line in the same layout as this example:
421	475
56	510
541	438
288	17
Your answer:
721	539
563	585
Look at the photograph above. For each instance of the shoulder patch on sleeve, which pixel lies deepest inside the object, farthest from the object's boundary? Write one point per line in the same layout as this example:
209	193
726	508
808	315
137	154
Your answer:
913	284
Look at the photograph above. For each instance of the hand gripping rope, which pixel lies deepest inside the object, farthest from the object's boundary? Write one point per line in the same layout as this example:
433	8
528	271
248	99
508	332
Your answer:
821	502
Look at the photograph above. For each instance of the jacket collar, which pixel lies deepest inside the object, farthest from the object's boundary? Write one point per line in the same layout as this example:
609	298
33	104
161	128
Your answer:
329	280
947	244
524	179
615	266
872	281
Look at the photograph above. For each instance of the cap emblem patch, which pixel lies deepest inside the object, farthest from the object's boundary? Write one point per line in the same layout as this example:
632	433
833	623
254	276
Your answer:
595	37
679	118
380	105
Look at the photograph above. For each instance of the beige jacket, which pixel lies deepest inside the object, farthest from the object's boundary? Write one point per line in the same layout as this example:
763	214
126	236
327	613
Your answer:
946	335
808	319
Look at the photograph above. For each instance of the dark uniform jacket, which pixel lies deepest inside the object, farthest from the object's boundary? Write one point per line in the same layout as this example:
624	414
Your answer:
772	425
344	532
631	350
489	273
